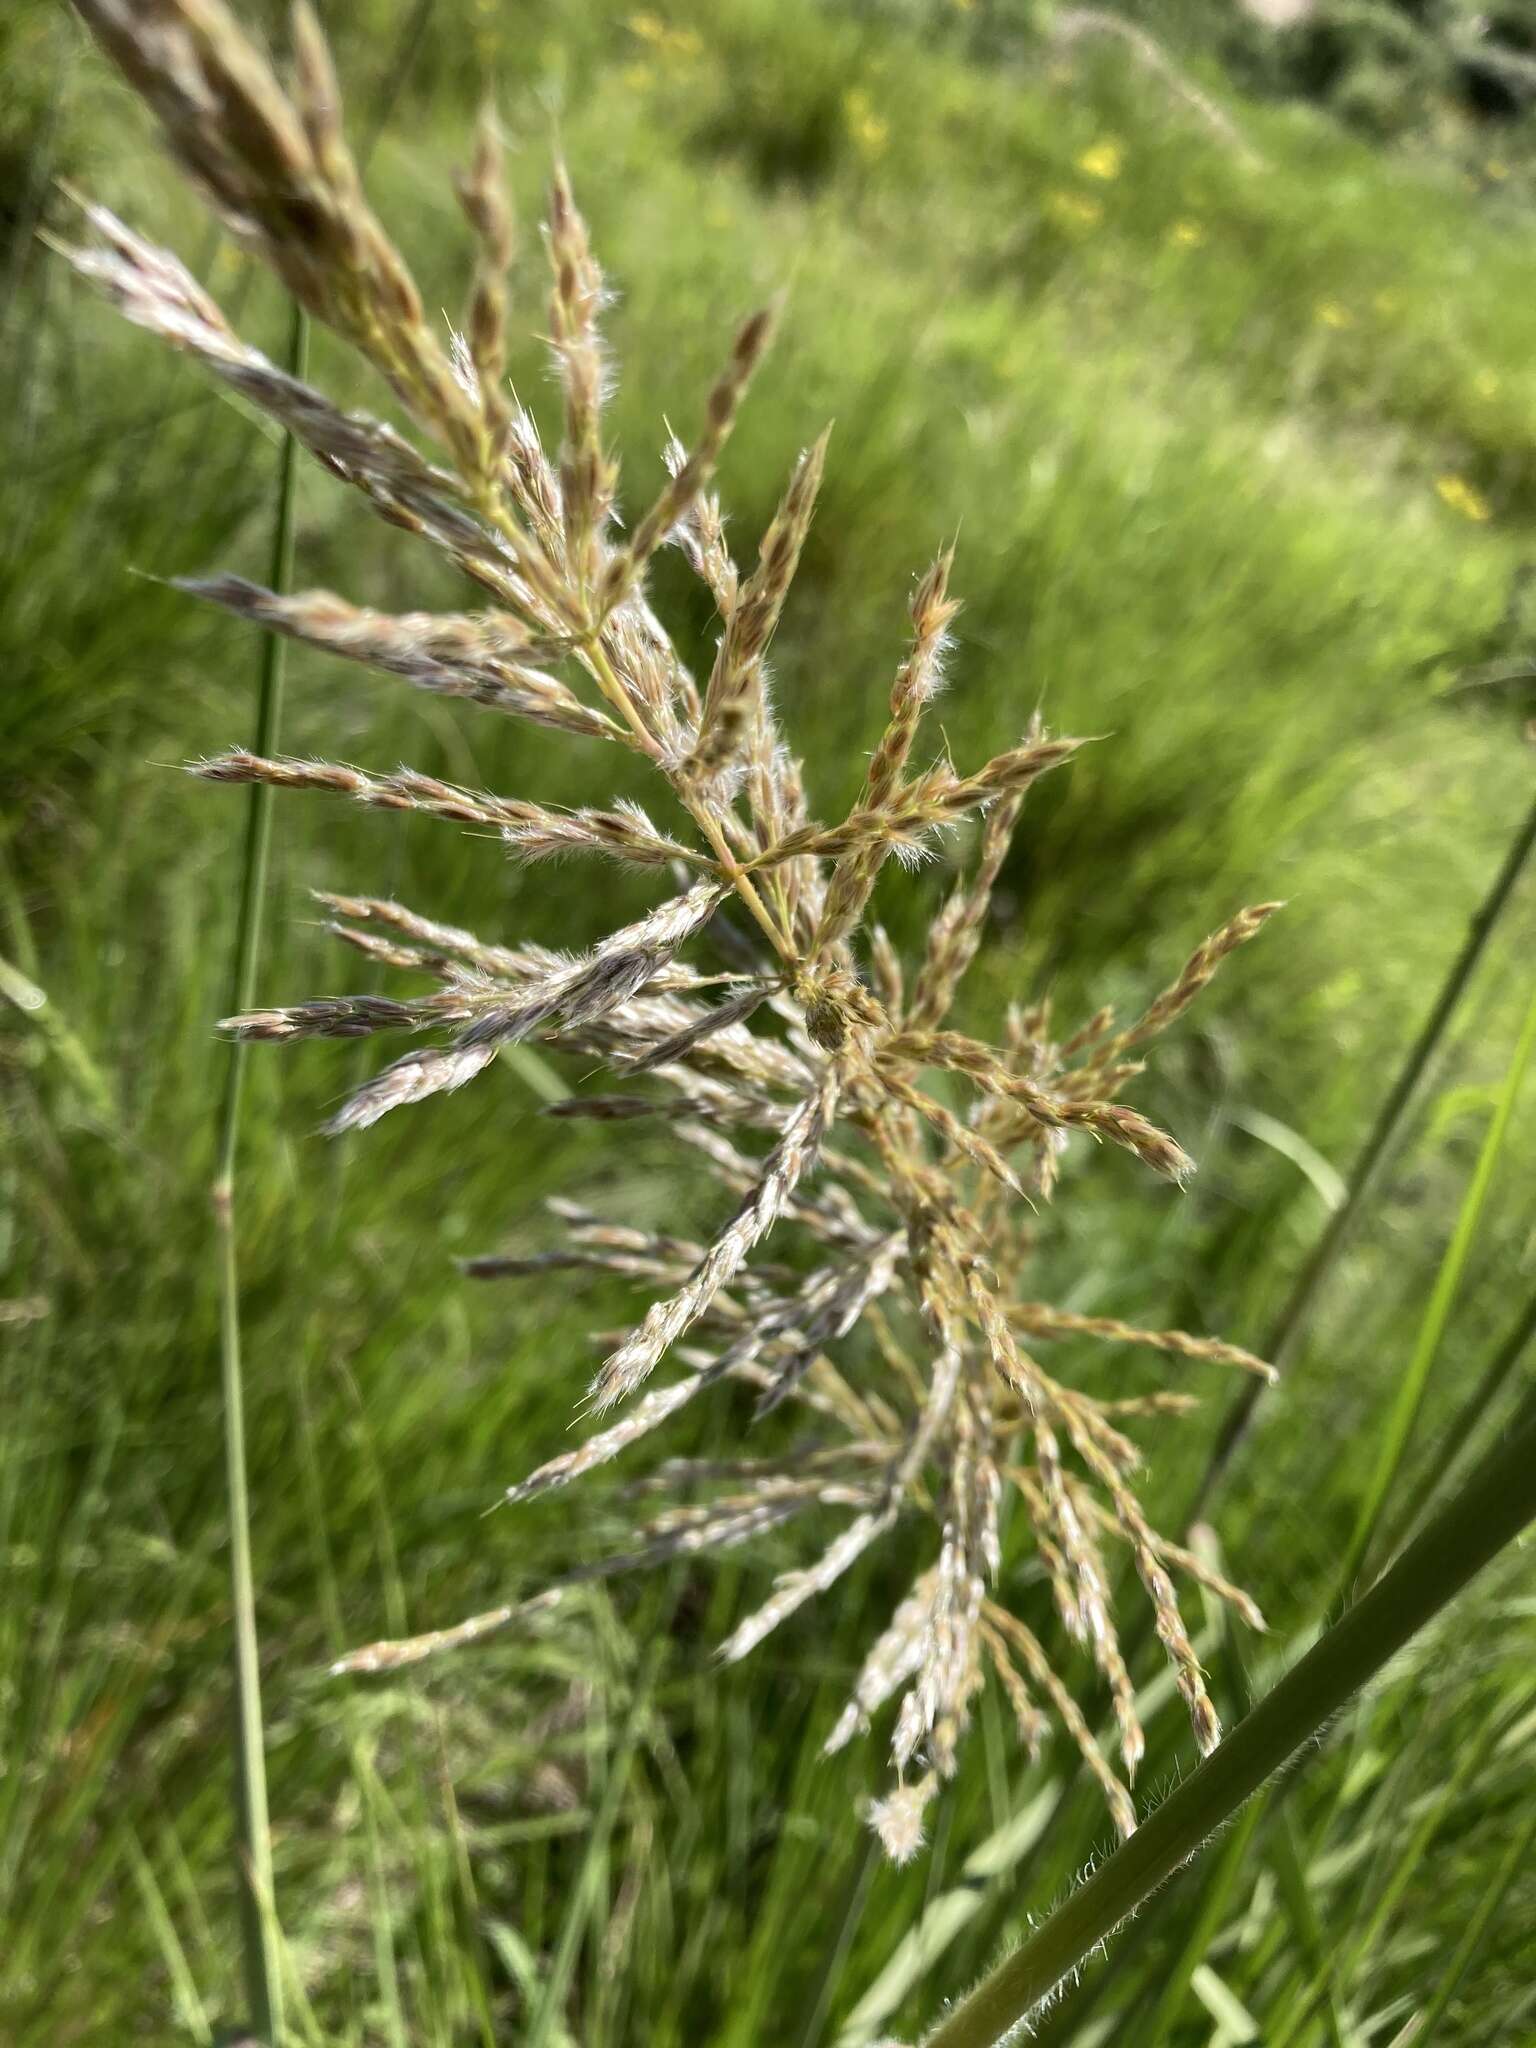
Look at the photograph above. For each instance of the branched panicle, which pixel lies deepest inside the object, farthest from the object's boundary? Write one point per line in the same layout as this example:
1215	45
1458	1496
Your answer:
861	1274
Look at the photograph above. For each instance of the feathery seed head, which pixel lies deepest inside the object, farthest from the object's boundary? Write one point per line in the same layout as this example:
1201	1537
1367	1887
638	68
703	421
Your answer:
893	1316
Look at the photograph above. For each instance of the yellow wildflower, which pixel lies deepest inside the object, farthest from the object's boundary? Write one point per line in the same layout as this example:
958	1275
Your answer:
650	28
1186	234
1463	497
1103	160
1331	314
1486	384
1496	169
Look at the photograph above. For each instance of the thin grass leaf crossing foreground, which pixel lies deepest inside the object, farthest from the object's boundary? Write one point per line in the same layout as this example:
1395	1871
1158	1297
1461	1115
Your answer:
816	1073
1497	1502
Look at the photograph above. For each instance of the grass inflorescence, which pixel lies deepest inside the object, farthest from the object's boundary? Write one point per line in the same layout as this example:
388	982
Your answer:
813	1068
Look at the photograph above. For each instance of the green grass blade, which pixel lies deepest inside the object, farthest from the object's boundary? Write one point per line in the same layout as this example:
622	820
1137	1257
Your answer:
184	1996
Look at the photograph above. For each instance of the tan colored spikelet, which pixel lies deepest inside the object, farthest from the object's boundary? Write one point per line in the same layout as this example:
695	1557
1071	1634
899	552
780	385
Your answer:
794	1154
956	931
968	1143
436	1071
1165	1606
353	1016
609	975
917	679
452	657
1010	1630
1041	1320
588	475
1111	1120
1194	975
1032	1725
266	168
685	487
755	614
1193	1566
496	962
648	1413
396	1655
532	830
792	1589
482	193
890	1662
898	1818
922	807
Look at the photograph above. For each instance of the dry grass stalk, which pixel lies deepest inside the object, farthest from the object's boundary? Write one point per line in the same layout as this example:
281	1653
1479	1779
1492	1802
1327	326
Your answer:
891	1328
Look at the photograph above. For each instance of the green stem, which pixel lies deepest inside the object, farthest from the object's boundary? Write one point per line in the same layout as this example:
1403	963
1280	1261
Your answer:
254	1860
1291	1323
1496	1503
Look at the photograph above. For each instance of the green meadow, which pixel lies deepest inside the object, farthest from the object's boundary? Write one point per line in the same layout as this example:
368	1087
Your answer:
1235	423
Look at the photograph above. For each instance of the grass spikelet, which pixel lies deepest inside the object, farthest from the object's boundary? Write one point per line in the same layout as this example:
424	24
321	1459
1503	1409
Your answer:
483	195
691	471
588	477
1193	977
917	680
1041	1320
735	677
635	1360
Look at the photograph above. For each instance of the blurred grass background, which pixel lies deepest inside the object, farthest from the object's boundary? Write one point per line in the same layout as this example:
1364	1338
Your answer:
1237	422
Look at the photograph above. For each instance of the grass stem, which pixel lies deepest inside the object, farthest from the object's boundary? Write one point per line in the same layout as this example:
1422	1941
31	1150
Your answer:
254	1871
